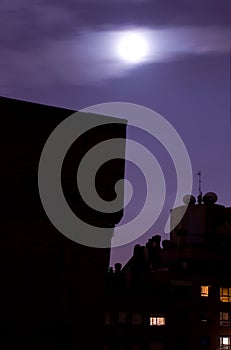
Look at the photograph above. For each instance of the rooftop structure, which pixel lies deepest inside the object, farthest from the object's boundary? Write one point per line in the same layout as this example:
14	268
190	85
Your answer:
175	294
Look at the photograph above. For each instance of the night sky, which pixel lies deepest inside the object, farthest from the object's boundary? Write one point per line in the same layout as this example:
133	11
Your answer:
64	53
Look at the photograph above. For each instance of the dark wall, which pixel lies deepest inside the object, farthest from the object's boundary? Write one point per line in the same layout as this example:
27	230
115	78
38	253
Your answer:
52	289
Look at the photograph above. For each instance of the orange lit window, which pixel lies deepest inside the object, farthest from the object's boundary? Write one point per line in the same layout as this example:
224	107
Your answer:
224	319
225	295
157	321
204	291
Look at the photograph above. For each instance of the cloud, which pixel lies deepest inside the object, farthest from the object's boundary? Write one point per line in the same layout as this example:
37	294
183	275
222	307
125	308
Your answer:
176	41
44	42
90	57
31	23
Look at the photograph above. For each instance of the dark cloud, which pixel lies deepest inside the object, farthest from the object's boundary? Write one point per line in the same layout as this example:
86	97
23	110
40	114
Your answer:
25	23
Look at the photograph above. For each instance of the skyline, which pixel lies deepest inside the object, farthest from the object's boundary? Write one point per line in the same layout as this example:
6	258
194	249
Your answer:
60	54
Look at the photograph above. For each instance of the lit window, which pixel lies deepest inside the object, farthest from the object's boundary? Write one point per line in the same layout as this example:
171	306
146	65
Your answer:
157	321
224	319
204	291
122	317
225	295
224	341
136	318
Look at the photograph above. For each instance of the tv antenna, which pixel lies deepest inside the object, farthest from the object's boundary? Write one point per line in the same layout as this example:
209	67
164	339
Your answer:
199	197
230	88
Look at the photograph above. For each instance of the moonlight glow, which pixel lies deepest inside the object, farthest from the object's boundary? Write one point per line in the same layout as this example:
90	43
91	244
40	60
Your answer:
133	47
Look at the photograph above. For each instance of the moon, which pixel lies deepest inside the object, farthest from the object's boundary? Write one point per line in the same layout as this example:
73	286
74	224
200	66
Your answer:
133	47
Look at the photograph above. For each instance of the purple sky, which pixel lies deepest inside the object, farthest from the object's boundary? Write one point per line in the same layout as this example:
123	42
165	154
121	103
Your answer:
63	53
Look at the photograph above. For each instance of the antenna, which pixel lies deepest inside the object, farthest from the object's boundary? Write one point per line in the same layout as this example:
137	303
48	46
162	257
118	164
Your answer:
199	177
199	197
230	87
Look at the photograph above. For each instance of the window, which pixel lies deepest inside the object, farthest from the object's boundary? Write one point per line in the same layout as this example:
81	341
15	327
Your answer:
184	265
205	340
157	321
224	319
107	318
136	318
204	291
204	317
156	345
225	295
224	341
122	317
136	347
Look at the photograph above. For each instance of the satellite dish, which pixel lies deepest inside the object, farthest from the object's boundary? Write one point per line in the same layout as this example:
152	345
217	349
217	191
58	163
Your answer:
189	199
210	198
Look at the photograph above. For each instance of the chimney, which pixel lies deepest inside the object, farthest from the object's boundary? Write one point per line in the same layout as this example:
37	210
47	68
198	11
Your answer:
166	244
156	241
118	267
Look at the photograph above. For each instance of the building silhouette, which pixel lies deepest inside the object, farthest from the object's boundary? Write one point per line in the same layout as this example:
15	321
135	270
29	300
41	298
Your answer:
52	289
175	295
